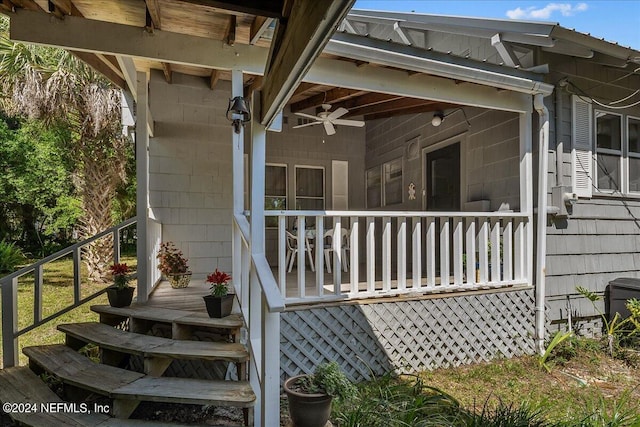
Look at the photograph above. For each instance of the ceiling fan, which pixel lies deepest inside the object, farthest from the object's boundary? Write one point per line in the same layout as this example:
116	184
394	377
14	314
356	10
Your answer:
329	119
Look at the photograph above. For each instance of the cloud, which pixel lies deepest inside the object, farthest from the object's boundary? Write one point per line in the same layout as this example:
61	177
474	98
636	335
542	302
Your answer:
565	9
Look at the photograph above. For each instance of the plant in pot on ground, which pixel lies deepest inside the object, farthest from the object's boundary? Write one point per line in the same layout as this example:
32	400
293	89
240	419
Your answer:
173	265
219	302
310	396
120	293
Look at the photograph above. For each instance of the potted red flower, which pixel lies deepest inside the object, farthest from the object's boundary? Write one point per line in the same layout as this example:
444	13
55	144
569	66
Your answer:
120	294
219	302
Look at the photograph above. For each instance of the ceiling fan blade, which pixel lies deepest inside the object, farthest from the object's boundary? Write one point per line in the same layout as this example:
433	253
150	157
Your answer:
339	112
306	124
328	127
308	116
341	122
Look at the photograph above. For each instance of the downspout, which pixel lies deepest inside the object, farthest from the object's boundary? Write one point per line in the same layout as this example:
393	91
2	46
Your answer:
543	153
559	143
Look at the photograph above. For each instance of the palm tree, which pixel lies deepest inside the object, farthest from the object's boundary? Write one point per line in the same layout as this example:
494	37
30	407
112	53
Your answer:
55	86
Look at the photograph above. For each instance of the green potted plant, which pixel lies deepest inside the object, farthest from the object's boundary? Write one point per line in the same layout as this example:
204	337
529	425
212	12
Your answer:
310	396
219	302
120	293
173	265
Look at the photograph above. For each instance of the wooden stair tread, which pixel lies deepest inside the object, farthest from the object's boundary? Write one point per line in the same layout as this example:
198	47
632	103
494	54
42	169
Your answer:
187	390
166	315
20	385
149	346
75	369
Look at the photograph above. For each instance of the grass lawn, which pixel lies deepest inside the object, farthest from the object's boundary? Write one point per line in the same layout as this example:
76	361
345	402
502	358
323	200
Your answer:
57	294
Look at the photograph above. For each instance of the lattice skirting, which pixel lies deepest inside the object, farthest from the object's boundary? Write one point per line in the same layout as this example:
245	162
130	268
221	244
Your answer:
408	336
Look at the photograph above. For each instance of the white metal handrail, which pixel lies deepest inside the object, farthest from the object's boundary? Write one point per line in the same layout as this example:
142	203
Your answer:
9	284
431	252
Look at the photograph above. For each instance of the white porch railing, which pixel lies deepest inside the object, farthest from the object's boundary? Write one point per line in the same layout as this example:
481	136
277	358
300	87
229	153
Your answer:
395	253
260	304
10	331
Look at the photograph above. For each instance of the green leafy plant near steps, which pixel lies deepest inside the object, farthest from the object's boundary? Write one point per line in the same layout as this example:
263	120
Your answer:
10	257
558	338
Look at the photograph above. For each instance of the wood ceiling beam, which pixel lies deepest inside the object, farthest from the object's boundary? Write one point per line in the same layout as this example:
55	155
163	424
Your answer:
304	87
231	31
166	69
153	9
254	84
258	27
437	106
296	44
267	8
67	7
370	99
97	64
213	79
7	6
28	4
334	95
398	104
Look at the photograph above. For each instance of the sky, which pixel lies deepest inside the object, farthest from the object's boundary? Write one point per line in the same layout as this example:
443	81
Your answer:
614	20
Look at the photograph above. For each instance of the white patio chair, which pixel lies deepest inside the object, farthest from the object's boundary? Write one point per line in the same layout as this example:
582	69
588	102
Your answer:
292	251
344	245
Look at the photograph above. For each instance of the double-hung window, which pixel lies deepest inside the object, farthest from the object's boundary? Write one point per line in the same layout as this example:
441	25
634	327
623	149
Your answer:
384	184
275	191
633	136
608	152
309	188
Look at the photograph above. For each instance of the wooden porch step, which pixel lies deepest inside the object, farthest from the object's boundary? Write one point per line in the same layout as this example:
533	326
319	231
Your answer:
110	338
181	320
20	385
128	388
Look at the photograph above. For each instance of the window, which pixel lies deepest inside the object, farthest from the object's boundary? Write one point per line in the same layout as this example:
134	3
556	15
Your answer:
608	151
374	188
393	182
309	188
384	184
605	151
275	191
633	135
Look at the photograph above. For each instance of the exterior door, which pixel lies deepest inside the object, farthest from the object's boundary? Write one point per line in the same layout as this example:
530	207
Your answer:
443	179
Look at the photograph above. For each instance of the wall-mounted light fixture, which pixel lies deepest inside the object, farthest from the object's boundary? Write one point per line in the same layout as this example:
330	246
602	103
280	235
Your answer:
238	113
439	116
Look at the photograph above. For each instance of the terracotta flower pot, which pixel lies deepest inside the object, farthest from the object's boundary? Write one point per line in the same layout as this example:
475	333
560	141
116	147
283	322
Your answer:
120	297
218	307
307	409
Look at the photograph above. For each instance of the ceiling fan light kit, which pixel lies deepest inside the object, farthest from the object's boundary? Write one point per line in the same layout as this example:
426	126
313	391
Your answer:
329	119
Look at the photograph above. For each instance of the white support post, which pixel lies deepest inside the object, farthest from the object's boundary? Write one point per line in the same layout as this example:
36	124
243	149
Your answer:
142	185
337	255
319	242
354	255
483	250
526	192
402	253
416	252
445	278
457	251
237	150
264	327
507	250
371	254
386	253
471	251
282	255
431	252
495	250
302	252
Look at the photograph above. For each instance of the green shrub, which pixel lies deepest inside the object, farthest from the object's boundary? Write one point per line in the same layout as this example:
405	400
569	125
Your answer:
503	415
10	257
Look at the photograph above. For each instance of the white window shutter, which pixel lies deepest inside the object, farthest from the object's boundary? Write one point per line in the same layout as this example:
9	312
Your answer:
340	187
582	147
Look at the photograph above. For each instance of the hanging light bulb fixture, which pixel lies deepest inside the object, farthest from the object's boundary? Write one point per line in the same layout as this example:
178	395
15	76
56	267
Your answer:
439	116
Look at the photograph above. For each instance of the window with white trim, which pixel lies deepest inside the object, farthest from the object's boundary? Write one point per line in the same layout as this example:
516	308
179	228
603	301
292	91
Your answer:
309	188
275	191
605	152
384	184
